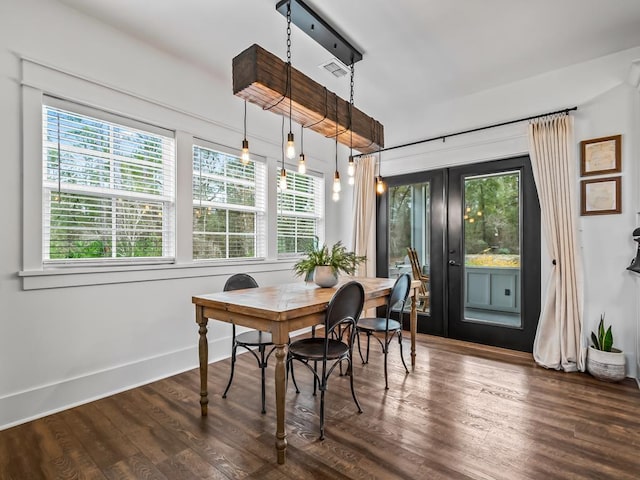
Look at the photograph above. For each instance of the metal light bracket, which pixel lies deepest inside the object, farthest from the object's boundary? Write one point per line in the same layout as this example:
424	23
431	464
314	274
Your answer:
317	28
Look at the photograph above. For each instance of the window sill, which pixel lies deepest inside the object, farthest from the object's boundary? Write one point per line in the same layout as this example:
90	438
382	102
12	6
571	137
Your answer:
83	276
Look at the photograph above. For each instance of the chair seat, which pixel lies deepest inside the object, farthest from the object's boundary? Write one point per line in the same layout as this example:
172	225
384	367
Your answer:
378	324
254	338
313	349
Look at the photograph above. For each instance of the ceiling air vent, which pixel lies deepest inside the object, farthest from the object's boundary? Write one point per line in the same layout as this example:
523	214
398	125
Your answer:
335	67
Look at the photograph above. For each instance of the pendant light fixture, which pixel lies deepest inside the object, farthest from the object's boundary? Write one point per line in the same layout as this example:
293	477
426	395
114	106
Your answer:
351	168
291	149
336	176
302	167
283	173
244	154
379	183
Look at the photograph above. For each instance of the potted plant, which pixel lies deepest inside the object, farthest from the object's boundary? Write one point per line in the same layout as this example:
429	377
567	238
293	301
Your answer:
603	360
324	264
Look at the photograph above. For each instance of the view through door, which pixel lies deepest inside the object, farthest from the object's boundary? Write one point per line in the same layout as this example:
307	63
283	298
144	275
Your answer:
471	235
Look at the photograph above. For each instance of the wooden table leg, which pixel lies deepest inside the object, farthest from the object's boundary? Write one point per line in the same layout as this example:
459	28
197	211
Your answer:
203	353
281	435
413	321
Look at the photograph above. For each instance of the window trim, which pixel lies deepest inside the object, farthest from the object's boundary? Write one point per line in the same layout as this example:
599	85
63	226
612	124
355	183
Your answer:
47	188
261	212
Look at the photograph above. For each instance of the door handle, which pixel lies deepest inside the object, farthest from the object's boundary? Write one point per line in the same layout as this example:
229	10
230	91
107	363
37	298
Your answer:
453	263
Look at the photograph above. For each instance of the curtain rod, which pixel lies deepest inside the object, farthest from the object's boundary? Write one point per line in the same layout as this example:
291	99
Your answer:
486	127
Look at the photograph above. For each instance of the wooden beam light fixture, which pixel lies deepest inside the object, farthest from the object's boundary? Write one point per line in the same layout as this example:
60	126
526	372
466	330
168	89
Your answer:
260	77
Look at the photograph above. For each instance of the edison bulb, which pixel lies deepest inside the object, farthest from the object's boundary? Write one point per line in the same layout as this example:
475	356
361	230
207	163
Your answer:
302	168
351	181
351	167
283	179
244	156
380	186
291	149
335	197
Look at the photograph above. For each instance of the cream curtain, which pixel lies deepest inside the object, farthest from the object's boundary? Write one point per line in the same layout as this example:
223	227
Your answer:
558	343
364	207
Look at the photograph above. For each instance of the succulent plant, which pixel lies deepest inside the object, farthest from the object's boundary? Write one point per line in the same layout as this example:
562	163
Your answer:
602	339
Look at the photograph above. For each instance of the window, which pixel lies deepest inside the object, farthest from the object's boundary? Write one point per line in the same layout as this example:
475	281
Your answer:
108	187
228	206
300	213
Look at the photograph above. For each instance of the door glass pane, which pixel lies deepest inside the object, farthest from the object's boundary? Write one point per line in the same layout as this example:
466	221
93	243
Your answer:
492	240
409	228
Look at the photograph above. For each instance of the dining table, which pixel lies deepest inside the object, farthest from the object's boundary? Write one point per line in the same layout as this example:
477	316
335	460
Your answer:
281	310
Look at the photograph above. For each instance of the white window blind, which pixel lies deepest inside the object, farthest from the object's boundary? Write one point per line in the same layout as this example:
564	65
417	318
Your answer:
108	187
300	213
228	206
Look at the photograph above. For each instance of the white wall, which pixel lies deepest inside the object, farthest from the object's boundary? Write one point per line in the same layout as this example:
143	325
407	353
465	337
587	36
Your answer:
608	105
63	346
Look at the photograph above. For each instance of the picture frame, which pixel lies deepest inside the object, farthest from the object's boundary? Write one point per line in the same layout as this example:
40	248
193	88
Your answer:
601	196
601	155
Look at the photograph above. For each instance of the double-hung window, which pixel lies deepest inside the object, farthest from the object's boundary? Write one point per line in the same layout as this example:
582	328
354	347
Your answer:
300	213
228	206
108	187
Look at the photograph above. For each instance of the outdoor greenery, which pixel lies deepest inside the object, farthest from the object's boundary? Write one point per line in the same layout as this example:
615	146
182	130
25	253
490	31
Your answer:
492	215
337	257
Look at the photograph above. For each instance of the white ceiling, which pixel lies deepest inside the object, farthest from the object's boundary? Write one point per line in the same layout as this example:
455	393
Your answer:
416	52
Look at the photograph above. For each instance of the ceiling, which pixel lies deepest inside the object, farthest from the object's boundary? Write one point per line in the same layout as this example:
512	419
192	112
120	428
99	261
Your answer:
417	53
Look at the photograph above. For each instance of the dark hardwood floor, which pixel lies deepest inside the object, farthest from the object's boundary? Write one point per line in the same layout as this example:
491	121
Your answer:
467	411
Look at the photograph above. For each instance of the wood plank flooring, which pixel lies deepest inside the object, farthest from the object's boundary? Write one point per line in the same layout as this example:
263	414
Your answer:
466	412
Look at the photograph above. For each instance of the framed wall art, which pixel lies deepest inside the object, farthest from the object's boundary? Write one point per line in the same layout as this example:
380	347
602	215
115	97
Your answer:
600	196
601	156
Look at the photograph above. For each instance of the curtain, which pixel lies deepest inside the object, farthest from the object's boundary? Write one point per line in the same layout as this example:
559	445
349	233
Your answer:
558	343
364	207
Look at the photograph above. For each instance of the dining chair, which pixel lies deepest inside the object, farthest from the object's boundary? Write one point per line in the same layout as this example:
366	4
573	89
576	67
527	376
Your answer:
333	348
416	270
387	325
248	340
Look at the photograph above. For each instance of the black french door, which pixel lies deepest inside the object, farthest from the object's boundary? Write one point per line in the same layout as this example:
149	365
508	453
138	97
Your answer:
476	231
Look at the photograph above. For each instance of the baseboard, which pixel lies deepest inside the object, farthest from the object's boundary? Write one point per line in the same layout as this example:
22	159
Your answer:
44	400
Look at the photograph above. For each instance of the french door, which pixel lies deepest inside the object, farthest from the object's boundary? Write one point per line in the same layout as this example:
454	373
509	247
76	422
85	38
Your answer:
476	232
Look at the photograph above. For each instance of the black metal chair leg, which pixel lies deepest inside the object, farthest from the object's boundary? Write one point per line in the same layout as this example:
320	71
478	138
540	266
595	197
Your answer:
368	345
353	392
322	413
233	364
386	382
359	348
293	377
402	354
263	366
315	378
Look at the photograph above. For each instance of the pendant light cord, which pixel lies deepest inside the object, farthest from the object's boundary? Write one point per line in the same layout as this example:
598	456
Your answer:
351	114
289	80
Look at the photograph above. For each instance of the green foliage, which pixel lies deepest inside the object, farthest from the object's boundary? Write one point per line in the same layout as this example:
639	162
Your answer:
603	340
338	258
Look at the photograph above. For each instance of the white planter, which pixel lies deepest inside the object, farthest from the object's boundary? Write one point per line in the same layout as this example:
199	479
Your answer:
607	366
325	277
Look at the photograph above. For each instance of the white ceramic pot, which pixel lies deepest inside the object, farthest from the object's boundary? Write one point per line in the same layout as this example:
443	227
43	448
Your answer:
607	366
324	276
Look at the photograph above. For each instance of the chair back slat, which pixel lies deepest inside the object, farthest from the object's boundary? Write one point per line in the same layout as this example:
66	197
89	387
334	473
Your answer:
399	293
345	305
239	281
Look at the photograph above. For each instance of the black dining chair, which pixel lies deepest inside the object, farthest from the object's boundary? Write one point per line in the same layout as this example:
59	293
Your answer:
390	327
331	350
249	340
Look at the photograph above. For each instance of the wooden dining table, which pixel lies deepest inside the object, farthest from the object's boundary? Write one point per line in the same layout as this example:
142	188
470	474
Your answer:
282	309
